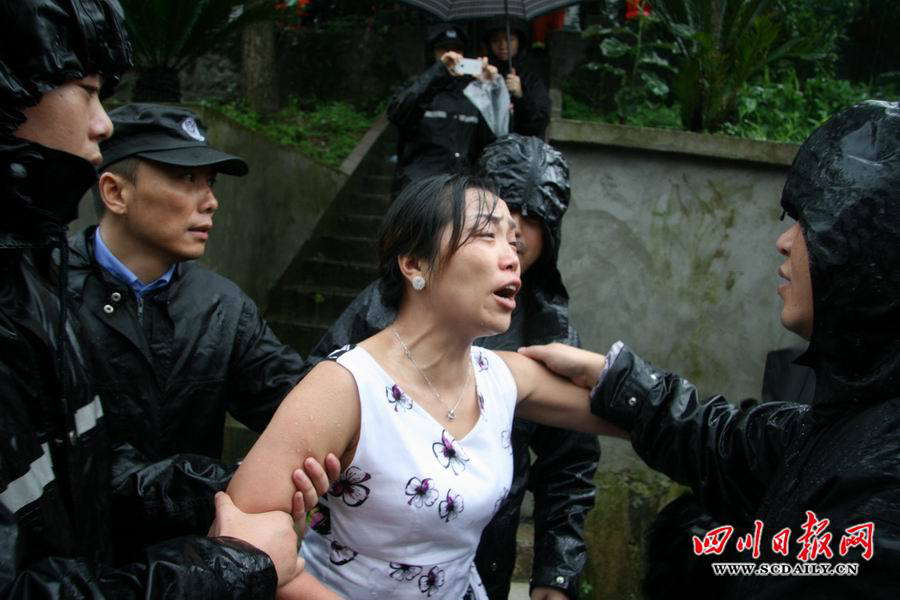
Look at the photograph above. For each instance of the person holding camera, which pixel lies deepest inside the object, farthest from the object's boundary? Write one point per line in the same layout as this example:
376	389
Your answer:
441	129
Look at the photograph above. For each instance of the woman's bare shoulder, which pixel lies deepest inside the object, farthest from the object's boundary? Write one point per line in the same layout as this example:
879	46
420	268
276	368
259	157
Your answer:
320	415
524	370
328	377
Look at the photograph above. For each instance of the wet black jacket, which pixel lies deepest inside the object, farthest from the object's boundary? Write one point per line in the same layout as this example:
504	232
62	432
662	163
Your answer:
531	112
534	179
57	506
441	131
171	366
838	457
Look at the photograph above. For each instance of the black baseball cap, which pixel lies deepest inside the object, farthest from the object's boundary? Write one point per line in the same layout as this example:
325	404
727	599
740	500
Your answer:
445	34
165	134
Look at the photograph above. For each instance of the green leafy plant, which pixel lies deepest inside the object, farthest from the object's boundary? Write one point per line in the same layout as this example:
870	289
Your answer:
723	44
629	70
168	34
786	109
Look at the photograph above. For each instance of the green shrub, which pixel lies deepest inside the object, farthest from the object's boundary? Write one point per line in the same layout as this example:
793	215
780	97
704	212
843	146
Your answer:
327	132
789	110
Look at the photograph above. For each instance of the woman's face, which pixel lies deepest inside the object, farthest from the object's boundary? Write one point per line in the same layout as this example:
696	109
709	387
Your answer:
476	286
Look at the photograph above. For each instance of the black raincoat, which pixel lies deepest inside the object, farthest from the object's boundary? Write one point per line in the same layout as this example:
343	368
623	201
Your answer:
440	130
838	457
170	366
531	112
57	500
534	179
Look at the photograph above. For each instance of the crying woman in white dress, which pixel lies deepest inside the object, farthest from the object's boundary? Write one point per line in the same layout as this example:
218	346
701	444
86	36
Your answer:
418	416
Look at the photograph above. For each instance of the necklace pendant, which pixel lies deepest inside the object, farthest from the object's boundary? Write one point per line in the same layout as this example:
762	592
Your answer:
451	414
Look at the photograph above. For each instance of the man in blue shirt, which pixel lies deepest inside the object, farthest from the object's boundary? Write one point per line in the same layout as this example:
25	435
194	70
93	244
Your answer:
174	346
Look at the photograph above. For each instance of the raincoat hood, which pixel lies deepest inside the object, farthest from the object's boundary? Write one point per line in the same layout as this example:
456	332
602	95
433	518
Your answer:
844	190
49	42
533	178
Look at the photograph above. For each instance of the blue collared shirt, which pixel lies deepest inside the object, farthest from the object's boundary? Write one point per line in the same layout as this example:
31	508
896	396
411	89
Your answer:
117	268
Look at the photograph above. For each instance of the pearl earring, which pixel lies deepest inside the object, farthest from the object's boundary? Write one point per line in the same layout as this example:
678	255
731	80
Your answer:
418	283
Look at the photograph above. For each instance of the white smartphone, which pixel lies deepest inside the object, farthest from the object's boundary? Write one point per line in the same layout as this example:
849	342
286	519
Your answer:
469	66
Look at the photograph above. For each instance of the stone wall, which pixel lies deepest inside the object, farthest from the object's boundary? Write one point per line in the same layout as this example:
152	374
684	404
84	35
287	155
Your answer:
668	245
263	218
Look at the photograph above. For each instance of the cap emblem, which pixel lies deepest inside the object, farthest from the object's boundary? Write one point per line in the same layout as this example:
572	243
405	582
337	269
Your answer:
189	126
451	34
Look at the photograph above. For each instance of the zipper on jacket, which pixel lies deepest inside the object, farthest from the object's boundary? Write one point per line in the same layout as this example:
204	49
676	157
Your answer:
140	309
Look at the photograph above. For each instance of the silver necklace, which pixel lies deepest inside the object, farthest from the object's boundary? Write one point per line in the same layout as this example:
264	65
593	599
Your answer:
451	412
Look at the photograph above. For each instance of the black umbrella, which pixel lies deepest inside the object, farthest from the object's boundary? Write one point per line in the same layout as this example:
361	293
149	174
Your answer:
459	10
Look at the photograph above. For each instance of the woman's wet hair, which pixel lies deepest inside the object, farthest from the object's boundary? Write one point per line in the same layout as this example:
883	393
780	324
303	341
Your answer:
415	222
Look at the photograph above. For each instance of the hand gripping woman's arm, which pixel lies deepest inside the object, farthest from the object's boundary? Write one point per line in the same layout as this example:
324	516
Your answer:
320	416
547	398
726	454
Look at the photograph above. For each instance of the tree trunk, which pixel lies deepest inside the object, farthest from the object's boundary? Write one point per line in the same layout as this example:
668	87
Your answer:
260	81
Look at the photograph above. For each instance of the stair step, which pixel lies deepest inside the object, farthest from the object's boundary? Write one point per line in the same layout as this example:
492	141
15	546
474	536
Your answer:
310	303
300	336
344	248
353	225
370	203
379	183
338	273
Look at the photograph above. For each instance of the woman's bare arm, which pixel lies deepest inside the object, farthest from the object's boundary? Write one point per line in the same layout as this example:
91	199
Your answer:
547	398
320	415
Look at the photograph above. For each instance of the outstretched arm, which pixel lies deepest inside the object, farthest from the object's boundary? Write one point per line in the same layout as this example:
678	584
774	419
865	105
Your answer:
726	454
547	398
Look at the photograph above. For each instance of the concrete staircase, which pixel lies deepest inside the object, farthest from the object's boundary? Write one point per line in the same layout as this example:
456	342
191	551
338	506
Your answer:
340	258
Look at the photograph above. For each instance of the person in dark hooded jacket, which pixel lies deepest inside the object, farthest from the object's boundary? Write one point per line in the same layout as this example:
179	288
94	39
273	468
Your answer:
56	470
533	179
440	129
786	465
527	91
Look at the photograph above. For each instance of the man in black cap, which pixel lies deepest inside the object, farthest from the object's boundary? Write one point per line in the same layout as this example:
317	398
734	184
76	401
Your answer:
56	505
173	345
441	130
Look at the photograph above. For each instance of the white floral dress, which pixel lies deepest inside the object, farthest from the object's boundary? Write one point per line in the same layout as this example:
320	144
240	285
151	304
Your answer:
405	518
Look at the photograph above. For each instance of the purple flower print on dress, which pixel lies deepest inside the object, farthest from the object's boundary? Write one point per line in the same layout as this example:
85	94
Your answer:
481	402
319	518
449	453
506	440
481	362
403	572
431	581
397	398
341	554
421	492
450	508
349	487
